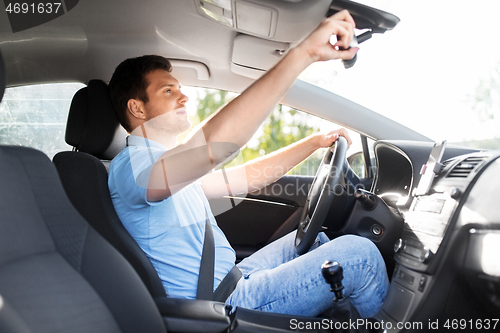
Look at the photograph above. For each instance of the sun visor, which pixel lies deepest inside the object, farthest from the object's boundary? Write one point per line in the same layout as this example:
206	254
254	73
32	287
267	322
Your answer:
253	56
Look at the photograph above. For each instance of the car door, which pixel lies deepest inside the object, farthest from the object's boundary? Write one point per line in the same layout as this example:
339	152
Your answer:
263	216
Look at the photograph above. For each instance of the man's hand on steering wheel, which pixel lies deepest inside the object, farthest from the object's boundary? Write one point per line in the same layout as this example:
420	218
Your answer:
325	140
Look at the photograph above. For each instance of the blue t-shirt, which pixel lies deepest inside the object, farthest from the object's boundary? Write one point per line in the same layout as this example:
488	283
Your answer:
170	232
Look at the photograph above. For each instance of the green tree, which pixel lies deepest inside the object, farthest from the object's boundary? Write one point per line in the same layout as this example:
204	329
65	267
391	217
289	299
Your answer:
487	98
284	127
209	101
486	103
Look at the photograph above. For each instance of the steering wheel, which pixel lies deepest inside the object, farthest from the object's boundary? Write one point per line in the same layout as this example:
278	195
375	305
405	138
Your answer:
321	195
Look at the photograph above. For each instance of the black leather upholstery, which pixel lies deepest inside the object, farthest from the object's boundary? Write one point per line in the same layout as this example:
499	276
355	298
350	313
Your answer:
57	274
92	125
85	178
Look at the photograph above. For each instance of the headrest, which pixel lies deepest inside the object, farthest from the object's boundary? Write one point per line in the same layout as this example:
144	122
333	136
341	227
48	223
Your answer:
2	77
92	124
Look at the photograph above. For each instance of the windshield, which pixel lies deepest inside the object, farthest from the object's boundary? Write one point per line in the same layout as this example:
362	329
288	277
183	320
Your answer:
437	72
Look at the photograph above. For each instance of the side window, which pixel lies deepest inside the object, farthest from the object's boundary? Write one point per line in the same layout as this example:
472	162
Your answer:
35	116
373	162
357	161
283	127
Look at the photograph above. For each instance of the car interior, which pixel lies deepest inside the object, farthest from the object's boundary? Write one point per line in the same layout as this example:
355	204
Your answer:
67	263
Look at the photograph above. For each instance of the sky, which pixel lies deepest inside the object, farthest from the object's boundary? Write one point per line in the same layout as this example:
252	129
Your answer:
424	73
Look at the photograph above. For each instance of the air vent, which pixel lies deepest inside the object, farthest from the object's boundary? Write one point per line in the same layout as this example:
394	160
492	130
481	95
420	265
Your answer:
446	163
464	168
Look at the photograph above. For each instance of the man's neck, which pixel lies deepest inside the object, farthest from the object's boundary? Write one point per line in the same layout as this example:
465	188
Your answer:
166	140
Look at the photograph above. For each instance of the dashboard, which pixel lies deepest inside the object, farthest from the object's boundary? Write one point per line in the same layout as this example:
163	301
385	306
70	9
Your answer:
446	258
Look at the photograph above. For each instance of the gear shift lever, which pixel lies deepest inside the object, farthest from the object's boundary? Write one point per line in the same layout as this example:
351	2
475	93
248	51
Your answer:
333	275
342	309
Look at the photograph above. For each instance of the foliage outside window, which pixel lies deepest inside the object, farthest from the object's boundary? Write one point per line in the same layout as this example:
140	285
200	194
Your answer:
357	164
35	116
486	104
283	127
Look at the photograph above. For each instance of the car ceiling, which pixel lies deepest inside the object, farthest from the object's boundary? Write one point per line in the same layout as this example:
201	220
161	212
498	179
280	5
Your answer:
91	39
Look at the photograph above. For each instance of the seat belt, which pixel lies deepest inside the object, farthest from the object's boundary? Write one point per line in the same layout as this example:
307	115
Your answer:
206	274
205	288
227	285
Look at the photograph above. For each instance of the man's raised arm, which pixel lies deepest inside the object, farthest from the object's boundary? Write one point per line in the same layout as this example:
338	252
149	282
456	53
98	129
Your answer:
231	128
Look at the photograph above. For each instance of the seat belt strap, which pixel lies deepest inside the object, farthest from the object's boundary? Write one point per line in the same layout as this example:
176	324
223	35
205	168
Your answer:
205	289
206	274
227	285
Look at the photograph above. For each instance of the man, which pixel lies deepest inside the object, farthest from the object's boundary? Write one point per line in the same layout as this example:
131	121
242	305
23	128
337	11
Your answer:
160	189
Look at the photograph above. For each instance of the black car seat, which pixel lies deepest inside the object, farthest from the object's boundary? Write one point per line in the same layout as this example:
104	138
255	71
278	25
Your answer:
96	135
57	274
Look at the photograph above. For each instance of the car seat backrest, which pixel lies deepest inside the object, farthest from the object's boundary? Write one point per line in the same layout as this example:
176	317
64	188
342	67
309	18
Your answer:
91	123
56	273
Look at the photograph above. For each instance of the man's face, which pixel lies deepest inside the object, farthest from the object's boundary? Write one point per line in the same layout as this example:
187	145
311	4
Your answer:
165	109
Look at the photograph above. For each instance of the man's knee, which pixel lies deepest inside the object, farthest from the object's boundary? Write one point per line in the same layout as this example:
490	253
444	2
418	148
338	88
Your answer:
361	243
359	246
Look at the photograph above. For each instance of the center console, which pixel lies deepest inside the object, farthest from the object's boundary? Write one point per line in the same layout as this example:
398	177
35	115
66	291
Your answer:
428	225
425	226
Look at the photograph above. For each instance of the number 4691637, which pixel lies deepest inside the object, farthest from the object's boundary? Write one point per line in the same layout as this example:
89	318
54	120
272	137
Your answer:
40	8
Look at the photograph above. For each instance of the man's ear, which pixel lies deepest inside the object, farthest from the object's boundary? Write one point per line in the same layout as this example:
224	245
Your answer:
136	108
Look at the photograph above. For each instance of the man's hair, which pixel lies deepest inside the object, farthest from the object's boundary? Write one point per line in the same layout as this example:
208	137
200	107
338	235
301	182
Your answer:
129	81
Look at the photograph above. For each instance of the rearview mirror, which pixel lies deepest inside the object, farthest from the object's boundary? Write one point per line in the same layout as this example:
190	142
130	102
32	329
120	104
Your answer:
366	18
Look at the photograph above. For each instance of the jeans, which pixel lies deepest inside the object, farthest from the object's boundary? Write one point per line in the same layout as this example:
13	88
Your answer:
276	279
